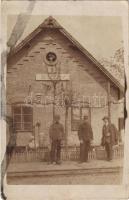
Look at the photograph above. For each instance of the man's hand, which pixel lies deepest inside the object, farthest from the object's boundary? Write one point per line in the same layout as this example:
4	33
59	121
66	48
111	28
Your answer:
62	142
91	142
50	140
49	147
81	141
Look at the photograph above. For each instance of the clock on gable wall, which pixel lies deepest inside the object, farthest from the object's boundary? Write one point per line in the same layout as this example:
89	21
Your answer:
51	57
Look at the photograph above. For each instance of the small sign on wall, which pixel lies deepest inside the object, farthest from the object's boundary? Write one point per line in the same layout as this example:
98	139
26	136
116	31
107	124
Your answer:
46	77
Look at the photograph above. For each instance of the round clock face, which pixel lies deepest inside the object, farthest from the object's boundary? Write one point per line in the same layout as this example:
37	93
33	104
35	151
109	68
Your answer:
51	57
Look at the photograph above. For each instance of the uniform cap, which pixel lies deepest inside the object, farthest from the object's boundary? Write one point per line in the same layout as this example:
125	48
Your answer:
105	117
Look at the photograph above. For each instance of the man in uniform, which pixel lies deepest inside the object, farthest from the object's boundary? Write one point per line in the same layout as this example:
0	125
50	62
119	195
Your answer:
109	137
56	133
85	135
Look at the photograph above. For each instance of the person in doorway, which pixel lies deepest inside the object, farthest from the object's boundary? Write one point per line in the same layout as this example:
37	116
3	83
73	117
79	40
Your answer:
109	137
56	133
85	135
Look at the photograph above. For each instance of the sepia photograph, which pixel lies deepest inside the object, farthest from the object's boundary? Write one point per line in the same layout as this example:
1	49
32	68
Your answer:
65	93
65	108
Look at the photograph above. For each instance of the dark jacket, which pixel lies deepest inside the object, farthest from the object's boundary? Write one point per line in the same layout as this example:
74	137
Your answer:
109	134
85	132
56	131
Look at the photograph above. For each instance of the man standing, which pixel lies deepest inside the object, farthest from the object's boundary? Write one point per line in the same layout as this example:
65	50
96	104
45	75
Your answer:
109	137
85	135
56	133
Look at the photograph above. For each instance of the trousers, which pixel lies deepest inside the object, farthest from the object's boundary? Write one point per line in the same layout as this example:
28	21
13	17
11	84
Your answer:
84	149
108	148
55	154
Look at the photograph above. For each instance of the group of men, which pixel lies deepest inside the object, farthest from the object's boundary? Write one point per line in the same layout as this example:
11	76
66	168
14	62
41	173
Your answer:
85	135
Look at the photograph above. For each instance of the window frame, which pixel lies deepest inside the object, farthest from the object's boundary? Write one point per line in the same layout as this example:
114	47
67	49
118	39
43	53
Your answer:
22	122
74	127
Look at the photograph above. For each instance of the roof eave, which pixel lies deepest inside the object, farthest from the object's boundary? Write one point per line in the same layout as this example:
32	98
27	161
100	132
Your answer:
42	27
87	54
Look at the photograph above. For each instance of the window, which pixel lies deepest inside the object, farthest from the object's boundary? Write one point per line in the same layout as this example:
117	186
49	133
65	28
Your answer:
22	118
77	114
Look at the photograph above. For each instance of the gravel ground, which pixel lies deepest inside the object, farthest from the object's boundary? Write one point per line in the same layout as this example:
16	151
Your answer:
95	179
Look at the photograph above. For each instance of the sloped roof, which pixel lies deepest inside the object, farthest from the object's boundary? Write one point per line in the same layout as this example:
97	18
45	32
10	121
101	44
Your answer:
50	22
